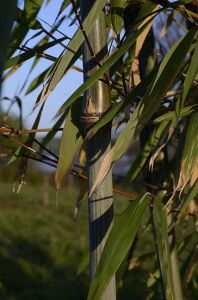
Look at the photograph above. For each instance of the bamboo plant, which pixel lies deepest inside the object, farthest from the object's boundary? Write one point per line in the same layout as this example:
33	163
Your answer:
140	77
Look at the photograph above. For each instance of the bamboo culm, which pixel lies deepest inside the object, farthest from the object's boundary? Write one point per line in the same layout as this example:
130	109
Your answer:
96	102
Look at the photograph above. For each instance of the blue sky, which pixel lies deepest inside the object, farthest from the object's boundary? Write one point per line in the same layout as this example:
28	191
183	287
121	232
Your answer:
72	80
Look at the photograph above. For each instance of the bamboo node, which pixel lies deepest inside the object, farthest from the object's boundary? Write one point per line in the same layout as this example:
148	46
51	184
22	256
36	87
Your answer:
89	119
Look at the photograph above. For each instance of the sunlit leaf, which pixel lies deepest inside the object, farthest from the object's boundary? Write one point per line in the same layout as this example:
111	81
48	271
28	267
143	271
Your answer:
190	195
130	40
119	240
58	69
167	72
120	106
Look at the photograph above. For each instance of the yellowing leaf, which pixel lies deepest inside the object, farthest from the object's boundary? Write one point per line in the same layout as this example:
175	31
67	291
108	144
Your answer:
168	71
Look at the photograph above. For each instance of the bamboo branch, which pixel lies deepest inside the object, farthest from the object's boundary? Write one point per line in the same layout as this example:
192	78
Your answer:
10	131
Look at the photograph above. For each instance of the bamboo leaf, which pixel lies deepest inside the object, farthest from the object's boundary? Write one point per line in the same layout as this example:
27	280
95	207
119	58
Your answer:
84	263
18	34
168	71
23	18
58	69
191	194
185	111
64	5
37	81
161	231
40	78
192	72
32	7
30	53
152	141
31	10
130	40
71	142
120	106
119	240
52	133
117	11
7	14
189	160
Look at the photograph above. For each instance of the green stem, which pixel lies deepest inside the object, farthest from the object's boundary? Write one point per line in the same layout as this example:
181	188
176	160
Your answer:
96	102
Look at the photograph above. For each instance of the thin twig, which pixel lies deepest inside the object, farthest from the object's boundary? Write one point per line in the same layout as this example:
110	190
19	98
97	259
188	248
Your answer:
46	56
46	149
18	143
10	131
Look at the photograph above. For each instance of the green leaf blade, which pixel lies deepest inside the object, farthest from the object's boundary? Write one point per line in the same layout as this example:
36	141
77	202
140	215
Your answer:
130	40
161	231
117	11
119	240
71	142
58	69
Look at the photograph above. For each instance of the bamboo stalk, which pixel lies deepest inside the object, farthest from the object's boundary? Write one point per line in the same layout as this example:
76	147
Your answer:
96	102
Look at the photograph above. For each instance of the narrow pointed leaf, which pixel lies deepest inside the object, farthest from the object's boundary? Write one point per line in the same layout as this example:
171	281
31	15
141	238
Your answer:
152	141
64	5
49	136
168	71
23	19
189	159
191	74
7	15
191	194
130	40
119	240
71	142
117	11
161	231
118	107
30	53
31	10
58	69
37	81
186	111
